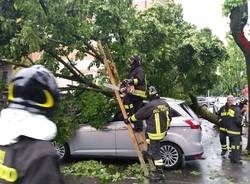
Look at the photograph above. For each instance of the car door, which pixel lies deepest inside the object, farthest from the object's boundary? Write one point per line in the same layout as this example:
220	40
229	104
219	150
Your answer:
124	146
93	142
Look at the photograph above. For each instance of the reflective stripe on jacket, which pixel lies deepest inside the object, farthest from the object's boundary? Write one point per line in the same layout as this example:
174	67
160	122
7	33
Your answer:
29	161
230	119
139	80
157	116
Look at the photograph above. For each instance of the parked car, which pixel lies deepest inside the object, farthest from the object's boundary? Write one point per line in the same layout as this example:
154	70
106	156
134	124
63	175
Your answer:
202	101
183	140
219	102
207	102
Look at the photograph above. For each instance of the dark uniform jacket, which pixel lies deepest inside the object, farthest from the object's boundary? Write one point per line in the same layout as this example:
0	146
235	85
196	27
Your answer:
137	74
29	161
157	116
230	119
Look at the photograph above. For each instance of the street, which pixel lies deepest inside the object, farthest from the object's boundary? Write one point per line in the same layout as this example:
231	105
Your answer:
213	168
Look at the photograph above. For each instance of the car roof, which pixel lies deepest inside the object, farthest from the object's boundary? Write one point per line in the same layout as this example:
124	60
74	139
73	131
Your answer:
181	107
169	100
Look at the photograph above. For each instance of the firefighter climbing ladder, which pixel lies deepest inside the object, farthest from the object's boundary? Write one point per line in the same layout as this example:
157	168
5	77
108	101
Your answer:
112	73
142	143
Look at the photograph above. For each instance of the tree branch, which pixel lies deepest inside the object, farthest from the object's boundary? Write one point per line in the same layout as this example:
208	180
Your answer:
30	60
14	63
72	65
81	88
75	74
89	46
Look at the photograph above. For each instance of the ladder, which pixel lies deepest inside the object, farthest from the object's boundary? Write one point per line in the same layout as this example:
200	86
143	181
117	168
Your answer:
139	144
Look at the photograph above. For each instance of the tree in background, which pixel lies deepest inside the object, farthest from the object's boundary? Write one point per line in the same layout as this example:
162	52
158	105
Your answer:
238	11
232	71
178	58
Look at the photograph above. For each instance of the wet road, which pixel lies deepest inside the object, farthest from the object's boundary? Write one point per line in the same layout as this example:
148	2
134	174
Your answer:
212	168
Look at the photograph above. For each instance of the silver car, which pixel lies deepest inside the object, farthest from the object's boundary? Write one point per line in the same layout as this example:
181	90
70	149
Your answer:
183	140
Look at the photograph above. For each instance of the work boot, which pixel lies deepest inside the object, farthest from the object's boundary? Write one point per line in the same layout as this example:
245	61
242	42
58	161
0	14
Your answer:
223	152
154	178
161	173
157	175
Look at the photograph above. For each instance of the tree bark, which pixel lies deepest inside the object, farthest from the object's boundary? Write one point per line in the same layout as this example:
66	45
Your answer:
203	111
238	20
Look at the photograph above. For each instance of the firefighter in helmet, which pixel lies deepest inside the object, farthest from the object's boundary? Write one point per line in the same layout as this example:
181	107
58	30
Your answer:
26	152
134	88
157	115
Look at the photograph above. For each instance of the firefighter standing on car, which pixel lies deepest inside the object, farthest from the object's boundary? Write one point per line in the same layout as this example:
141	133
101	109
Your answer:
134	88
158	118
27	155
230	120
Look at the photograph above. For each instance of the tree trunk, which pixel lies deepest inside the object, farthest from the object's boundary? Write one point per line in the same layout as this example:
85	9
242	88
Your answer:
203	111
248	79
238	17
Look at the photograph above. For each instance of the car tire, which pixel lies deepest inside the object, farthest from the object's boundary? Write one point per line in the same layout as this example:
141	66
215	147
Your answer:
62	151
172	155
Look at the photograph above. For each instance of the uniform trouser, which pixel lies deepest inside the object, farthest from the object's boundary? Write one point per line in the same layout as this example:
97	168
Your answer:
132	105
223	140
235	147
241	143
241	139
154	147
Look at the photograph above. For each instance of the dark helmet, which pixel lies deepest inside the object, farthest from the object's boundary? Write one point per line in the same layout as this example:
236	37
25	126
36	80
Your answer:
34	89
243	101
152	92
135	60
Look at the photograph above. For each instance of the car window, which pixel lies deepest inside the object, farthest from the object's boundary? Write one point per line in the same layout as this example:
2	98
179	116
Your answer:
189	111
174	113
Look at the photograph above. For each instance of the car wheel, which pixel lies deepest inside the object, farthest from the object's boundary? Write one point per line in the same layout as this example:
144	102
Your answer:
172	155
62	151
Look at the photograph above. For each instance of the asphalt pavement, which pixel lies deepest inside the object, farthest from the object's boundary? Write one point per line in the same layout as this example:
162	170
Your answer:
212	169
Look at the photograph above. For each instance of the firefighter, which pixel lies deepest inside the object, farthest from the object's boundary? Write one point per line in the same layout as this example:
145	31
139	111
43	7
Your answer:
158	118
135	89
223	118
231	126
27	155
243	104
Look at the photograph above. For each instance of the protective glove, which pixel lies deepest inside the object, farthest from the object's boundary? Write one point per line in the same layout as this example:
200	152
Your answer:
128	81
123	87
123	90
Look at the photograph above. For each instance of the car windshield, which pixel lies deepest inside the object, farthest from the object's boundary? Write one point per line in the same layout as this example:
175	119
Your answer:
189	111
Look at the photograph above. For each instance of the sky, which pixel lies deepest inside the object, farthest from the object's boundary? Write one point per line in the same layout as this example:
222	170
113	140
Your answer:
206	13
